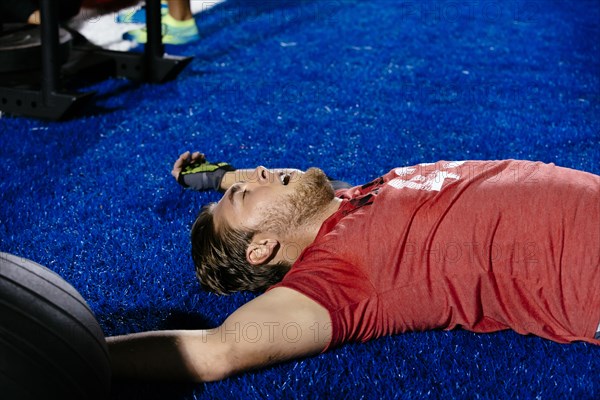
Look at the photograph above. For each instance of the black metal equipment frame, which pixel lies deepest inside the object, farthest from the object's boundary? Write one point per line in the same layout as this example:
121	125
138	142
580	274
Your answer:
153	65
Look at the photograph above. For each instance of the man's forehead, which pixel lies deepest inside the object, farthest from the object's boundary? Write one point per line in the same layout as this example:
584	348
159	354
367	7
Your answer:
218	210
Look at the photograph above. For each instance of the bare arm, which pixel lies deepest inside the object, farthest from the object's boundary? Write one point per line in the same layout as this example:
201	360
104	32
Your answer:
229	178
280	325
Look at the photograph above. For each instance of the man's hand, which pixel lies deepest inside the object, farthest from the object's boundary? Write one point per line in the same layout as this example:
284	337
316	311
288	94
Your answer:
184	160
195	172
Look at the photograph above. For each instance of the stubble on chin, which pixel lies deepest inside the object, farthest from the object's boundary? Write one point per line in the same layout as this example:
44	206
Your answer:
313	193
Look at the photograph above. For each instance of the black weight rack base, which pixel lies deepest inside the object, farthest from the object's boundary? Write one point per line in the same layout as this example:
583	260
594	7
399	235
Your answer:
45	98
37	104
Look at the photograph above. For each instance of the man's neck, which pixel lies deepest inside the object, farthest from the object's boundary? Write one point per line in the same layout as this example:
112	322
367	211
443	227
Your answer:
304	236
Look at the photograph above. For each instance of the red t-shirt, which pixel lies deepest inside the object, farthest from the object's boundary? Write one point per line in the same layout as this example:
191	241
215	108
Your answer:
482	245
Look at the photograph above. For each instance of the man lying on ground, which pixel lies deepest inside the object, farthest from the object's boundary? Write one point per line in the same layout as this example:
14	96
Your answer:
481	245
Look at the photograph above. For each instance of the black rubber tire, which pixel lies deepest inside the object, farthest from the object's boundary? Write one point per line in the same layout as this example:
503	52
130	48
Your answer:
51	345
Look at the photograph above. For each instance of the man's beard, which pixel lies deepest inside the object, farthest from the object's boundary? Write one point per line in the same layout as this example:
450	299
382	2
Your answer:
313	193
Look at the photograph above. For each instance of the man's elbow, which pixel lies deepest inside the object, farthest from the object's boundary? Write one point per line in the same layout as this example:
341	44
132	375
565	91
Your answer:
208	362
216	372
226	360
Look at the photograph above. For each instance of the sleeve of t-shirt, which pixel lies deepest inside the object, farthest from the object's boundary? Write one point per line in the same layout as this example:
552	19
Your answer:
339	287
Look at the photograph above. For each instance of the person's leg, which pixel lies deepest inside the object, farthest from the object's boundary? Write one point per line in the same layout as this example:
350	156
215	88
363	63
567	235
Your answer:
180	9
34	18
17	11
28	11
179	25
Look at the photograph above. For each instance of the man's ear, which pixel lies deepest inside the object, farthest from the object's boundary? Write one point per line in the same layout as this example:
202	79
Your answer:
261	251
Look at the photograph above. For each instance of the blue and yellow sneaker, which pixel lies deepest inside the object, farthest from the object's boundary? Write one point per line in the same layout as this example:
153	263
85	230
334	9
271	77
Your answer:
138	16
173	31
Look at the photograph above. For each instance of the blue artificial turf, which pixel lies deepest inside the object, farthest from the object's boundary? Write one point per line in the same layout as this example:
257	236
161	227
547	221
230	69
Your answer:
355	87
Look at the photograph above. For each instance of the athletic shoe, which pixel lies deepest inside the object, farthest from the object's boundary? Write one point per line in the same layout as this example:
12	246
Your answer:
138	16
173	31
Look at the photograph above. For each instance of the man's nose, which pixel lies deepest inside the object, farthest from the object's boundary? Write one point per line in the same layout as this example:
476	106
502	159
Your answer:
263	175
